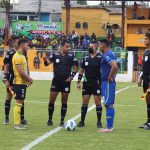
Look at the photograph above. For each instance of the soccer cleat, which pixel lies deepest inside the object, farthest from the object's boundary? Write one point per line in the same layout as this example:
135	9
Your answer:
145	126
6	122
25	122
19	127
105	130
99	125
49	123
62	124
81	124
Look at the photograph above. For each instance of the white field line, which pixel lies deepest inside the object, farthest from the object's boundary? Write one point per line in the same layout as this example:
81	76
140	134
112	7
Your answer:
48	134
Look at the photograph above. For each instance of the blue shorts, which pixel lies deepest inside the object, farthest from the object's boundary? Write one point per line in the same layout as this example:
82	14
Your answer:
108	92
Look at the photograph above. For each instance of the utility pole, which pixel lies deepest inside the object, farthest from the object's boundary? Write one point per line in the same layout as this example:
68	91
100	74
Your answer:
123	21
67	5
7	23
39	10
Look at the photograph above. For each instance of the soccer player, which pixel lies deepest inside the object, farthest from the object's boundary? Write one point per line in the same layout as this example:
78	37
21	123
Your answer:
21	80
108	73
90	67
8	80
145	77
63	62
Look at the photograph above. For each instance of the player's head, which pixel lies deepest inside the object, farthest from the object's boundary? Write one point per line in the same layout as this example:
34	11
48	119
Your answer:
23	45
104	45
65	46
14	42
147	39
93	47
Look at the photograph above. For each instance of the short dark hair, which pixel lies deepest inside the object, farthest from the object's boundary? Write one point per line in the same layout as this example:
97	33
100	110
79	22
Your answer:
22	41
105	41
13	38
95	43
147	35
63	42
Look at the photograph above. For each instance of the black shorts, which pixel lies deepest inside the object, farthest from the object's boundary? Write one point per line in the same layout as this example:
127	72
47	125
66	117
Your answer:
91	88
146	82
20	91
60	85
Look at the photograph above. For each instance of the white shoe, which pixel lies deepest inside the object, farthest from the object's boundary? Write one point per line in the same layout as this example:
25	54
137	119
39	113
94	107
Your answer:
19	127
105	130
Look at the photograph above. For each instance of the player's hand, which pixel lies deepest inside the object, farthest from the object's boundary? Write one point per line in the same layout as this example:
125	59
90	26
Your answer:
12	90
30	80
79	85
44	58
69	80
140	82
110	79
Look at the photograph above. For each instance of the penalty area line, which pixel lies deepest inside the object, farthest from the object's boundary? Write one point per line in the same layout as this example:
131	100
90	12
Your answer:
55	130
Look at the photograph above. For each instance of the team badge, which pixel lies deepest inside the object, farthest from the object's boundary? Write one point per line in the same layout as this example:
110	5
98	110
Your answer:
86	63
98	91
57	60
146	58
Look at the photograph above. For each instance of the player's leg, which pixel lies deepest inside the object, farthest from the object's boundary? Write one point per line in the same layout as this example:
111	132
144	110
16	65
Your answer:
20	91
97	100
108	94
52	99
145	87
7	106
84	108
64	99
86	94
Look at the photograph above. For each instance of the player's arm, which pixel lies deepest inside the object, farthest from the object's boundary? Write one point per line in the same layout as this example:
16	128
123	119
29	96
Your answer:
48	61
113	71
22	74
75	68
80	76
6	70
6	75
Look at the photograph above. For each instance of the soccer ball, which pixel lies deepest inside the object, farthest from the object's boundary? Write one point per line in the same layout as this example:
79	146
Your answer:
70	125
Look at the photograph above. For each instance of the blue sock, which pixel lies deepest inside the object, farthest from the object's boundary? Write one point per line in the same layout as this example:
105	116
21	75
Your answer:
110	113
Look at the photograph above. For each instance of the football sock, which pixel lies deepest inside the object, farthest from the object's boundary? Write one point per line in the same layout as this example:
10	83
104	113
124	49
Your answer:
110	113
63	111
7	108
148	113
83	112
17	110
50	110
99	112
22	112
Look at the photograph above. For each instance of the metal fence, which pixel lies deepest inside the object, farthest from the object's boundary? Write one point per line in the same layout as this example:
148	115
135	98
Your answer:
122	57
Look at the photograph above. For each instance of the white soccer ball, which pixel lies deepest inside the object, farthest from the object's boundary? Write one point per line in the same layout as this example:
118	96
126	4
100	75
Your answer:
70	125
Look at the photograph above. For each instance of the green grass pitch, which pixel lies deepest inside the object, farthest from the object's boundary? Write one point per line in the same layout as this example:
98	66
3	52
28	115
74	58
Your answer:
130	113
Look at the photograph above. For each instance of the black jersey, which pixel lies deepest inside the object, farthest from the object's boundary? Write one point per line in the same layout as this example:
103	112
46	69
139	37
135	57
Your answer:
92	67
146	63
63	64
8	60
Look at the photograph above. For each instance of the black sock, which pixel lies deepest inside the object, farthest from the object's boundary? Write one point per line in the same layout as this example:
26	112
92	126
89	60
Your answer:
63	111
7	108
83	112
148	113
22	112
50	110
99	112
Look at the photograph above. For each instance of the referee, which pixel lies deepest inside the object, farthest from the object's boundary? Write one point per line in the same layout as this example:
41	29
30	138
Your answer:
145	77
90	67
63	62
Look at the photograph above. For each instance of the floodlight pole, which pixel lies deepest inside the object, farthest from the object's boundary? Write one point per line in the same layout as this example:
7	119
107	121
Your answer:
67	5
123	21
